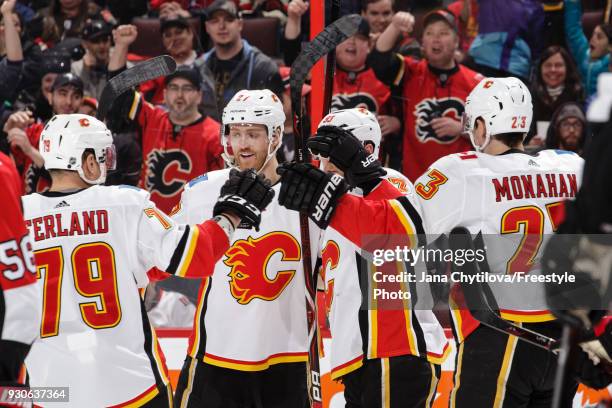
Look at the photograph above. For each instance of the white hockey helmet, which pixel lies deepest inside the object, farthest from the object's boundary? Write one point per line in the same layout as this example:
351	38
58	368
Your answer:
65	138
253	107
503	103
359	121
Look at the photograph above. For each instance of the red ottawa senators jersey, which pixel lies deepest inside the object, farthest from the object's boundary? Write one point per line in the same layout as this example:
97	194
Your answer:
34	180
19	310
173	154
359	90
426	97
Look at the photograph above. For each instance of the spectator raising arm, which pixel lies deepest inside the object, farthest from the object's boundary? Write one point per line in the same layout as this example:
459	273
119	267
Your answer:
591	56
383	61
14	52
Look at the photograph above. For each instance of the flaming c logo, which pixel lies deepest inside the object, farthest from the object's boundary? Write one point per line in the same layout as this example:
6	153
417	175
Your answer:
249	262
330	258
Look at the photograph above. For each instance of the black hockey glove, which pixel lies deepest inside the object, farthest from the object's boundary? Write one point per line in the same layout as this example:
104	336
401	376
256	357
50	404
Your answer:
307	189
347	153
595	376
245	194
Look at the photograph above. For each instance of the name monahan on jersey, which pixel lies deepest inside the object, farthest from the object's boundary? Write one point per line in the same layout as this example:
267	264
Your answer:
251	312
362	327
515	199
93	250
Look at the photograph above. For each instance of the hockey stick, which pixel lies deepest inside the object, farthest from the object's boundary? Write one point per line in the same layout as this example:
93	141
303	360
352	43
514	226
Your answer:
330	63
145	71
483	306
324	43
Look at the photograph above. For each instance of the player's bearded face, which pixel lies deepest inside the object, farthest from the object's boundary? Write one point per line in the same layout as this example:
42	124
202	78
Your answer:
249	143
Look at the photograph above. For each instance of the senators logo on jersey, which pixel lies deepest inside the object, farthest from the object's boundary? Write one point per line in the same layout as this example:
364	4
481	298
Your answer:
430	108
252	276
167	171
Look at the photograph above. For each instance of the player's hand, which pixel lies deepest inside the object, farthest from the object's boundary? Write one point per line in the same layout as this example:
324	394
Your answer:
297	8
310	190
124	35
347	153
245	194
403	22
18	138
19	119
388	124
7	7
446	126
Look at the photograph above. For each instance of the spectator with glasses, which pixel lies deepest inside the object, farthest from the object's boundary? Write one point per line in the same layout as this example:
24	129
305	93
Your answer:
177	145
568	129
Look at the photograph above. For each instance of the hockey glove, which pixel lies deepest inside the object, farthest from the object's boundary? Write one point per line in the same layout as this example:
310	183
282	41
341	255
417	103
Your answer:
310	190
245	194
347	153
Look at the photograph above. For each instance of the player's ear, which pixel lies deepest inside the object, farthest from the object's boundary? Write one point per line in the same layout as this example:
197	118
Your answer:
369	147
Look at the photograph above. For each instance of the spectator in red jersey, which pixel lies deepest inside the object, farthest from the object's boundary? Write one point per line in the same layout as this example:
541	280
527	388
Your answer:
23	132
434	89
177	145
466	15
180	42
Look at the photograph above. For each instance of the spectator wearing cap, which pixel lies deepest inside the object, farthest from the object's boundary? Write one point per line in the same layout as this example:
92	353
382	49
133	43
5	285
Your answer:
93	67
433	89
178	144
232	64
182	44
23	131
568	129
592	56
509	39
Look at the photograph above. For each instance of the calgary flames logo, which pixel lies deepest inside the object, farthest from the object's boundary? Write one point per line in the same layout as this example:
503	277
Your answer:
430	108
167	171
249	261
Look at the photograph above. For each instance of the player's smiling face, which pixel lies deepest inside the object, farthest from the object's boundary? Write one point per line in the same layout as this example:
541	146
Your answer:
249	143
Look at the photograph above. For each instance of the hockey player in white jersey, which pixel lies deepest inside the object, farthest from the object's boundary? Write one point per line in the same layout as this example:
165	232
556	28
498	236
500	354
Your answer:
514	199
249	346
397	348
94	246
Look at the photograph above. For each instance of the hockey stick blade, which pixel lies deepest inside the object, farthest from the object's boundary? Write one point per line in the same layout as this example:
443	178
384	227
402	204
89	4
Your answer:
145	71
477	300
325	42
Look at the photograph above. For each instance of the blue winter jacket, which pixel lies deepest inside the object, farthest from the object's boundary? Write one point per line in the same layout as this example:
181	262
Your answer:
579	47
509	35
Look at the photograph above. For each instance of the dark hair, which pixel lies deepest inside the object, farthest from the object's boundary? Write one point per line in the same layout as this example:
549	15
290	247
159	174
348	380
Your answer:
366	3
510	139
607	29
572	78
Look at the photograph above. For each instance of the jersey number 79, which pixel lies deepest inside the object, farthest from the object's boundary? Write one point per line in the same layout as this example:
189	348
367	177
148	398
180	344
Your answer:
94	277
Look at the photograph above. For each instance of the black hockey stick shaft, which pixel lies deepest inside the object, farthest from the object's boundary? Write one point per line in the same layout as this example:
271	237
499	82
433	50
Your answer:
145	71
481	305
324	43
330	65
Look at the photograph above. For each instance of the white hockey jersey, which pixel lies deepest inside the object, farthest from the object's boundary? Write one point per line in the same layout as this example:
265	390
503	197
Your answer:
514	199
251	312
360	330
93	249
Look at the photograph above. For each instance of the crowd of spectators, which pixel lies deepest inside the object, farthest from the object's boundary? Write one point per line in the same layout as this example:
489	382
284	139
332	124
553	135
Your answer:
412	63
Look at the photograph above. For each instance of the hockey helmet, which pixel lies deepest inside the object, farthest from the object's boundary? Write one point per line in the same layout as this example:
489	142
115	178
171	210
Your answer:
503	103
359	121
253	107
65	138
